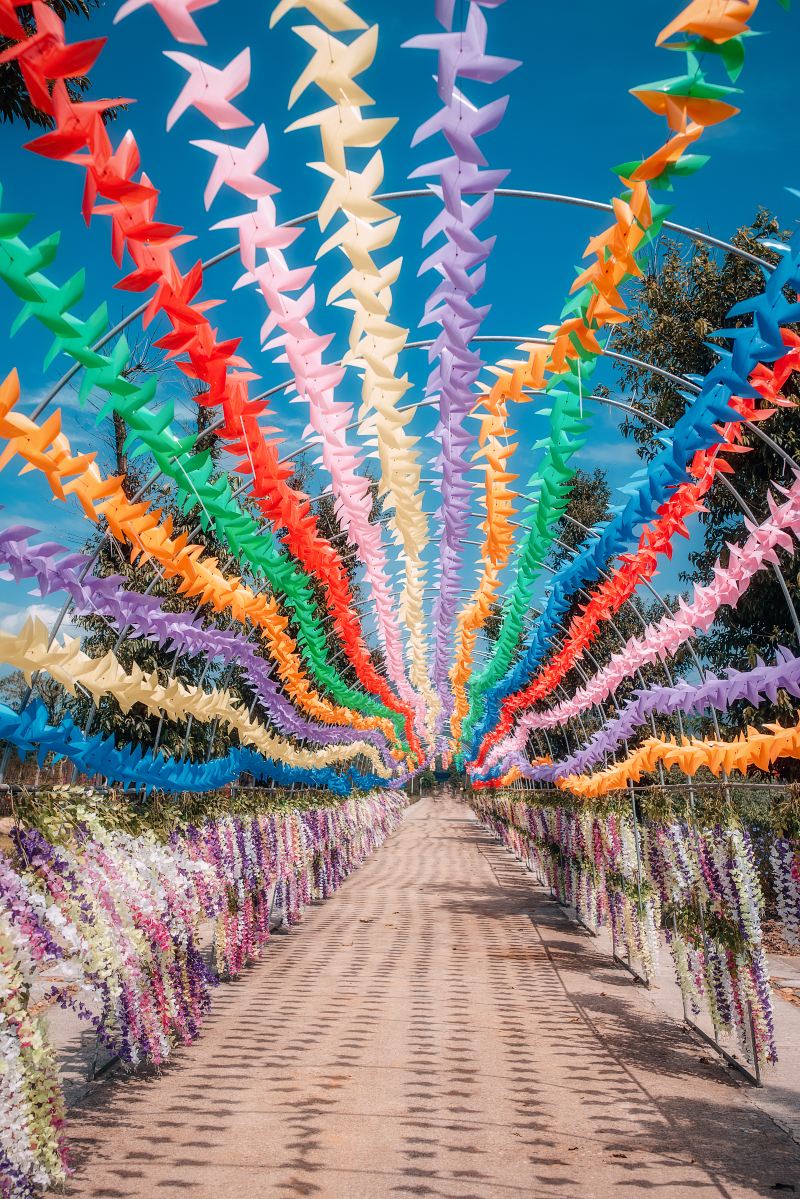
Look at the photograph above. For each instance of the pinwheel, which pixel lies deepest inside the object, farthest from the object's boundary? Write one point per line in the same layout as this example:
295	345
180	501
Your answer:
145	617
150	538
274	280
192	475
31	651
210	91
753	686
654	541
238	169
176	15
755	748
758	343
375	341
315	382
215	363
597	303
139	767
729	583
460	270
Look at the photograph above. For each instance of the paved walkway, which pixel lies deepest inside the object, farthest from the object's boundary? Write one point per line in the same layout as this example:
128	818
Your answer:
437	1029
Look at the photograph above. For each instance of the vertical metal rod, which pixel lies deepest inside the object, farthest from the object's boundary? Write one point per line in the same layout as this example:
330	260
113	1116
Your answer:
639	872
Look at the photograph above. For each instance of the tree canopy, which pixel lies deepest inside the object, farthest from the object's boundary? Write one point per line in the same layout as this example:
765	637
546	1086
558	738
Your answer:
15	103
675	312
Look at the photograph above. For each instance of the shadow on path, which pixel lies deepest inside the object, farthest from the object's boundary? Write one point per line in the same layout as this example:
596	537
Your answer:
437	1029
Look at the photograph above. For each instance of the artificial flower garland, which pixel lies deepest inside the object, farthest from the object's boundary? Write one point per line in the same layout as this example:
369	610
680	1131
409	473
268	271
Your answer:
700	882
104	917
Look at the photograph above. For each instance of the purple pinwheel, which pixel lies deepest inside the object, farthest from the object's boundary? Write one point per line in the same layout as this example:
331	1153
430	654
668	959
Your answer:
461	263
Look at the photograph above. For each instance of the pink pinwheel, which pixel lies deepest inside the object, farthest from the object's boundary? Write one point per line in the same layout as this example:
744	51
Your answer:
174	14
271	275
729	584
237	168
210	91
258	230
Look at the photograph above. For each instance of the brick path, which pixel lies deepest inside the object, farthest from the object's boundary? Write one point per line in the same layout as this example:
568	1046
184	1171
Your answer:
437	1029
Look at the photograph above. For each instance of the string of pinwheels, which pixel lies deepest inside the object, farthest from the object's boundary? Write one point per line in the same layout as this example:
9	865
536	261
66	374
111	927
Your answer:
300	605
355	680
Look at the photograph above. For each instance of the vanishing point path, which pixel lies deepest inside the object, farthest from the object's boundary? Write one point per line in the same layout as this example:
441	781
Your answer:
437	1029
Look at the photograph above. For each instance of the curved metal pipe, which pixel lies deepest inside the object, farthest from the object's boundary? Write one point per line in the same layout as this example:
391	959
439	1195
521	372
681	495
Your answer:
613	355
391	197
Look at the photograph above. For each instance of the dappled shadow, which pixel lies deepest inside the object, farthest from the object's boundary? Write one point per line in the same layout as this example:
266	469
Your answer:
438	1029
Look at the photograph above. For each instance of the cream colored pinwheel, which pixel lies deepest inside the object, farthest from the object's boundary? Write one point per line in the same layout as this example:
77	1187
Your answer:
66	662
366	289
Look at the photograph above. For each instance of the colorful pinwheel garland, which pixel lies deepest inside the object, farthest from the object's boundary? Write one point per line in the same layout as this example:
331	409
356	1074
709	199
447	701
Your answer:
105	906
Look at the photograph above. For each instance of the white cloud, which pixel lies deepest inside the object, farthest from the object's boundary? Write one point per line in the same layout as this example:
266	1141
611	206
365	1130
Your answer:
12	622
610	453
67	400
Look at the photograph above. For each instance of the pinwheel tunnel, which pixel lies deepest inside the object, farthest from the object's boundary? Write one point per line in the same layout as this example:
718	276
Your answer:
491	639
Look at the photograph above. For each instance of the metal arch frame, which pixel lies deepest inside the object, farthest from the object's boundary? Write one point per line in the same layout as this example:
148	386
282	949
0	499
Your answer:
729	487
614	627
428	403
423	403
582	591
738	499
466	592
426	193
415	194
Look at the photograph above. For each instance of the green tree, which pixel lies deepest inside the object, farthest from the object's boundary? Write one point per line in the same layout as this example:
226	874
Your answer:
15	104
494	622
675	310
589	505
14	690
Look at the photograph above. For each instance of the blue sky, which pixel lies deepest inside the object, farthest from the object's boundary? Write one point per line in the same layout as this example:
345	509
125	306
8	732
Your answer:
570	119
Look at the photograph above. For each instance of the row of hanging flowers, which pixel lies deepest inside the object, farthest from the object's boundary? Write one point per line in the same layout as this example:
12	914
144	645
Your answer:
106	920
697	880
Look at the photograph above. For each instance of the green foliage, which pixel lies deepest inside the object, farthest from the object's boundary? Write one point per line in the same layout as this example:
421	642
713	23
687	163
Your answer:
57	814
759	809
589	505
15	104
674	312
695	923
14	688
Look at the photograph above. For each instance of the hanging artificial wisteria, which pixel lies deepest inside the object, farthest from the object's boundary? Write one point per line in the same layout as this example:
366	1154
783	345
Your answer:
784	856
109	923
700	883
